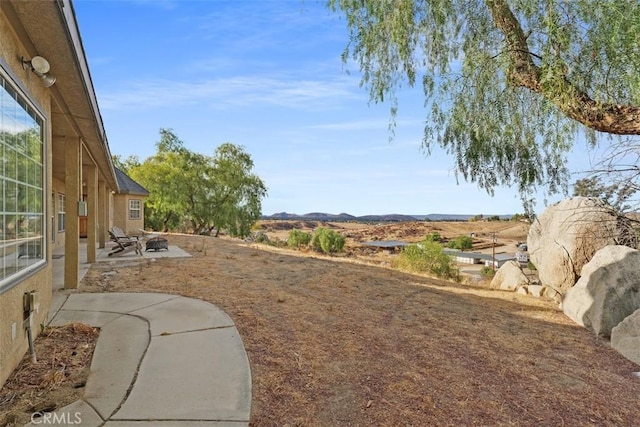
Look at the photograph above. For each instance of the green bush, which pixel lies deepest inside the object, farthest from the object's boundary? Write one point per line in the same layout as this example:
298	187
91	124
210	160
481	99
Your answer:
530	266
461	243
327	241
428	257
260	237
487	272
298	238
434	236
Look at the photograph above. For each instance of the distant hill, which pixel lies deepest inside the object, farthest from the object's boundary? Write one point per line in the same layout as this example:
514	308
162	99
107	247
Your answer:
321	216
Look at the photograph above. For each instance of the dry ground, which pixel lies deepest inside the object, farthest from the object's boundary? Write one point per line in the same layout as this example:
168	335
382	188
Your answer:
56	379
336	342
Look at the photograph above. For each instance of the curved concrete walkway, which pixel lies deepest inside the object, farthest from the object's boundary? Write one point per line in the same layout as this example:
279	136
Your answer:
162	360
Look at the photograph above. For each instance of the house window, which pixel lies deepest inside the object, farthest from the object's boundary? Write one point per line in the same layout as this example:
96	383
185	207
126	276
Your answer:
22	208
135	209
53	218
61	212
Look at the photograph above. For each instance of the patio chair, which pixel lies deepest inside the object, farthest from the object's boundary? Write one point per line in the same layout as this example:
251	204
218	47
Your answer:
123	243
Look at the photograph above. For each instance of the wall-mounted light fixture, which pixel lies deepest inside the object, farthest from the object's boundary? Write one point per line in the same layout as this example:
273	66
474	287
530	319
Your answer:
40	68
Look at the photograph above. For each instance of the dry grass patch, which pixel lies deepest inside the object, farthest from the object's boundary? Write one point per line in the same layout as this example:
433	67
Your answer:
56	380
339	343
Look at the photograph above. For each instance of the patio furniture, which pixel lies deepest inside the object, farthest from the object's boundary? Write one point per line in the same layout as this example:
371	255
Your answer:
123	243
157	243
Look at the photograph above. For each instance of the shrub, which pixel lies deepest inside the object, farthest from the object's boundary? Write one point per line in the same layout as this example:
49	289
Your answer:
260	237
530	266
461	243
327	241
277	243
429	257
487	272
434	236
298	238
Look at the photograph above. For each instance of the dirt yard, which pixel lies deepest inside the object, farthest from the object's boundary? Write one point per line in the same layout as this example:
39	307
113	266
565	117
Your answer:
338	342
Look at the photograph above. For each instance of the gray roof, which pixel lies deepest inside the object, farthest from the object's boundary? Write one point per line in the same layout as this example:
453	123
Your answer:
129	186
478	255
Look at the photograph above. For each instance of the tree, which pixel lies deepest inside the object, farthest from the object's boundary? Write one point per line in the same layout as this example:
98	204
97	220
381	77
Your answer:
203	193
125	165
510	84
427	257
434	236
298	239
613	195
461	243
327	241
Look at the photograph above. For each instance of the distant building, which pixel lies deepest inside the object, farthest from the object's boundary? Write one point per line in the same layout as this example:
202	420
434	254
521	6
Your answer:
128	204
479	258
522	257
499	260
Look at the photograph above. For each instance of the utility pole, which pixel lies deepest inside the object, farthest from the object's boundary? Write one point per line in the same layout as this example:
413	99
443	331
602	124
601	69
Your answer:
493	262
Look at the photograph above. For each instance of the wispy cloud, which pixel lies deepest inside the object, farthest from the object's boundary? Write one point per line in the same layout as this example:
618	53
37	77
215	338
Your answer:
353	125
231	92
240	25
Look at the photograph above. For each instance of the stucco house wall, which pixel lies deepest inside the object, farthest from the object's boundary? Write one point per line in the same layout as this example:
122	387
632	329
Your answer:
56	144
13	338
121	213
129	191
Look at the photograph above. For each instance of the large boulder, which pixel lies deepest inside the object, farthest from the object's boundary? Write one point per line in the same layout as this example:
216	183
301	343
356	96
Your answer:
509	277
608	290
625	338
567	234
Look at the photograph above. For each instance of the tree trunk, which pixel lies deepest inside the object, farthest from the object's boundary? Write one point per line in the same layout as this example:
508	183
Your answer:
573	102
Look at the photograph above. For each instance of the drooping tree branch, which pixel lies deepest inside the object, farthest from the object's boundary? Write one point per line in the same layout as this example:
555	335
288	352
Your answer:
575	103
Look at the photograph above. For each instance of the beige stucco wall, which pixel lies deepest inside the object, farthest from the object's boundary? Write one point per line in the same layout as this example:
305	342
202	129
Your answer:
13	339
121	213
13	347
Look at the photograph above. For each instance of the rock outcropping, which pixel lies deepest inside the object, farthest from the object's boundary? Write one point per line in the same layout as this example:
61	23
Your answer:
509	277
607	292
567	234
625	338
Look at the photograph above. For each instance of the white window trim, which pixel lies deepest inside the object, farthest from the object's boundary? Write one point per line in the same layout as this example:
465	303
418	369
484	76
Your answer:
62	211
138	209
10	79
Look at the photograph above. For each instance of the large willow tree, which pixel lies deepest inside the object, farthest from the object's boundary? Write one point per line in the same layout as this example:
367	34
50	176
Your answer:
202	193
509	85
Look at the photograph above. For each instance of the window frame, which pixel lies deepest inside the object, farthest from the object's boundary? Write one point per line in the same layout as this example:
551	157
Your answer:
34	180
61	213
138	209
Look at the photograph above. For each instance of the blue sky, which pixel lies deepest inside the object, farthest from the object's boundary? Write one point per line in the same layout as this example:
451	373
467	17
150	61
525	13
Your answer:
268	75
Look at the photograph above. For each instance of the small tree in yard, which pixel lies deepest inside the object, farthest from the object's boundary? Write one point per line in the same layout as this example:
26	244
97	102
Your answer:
327	241
428	257
461	243
298	238
434	236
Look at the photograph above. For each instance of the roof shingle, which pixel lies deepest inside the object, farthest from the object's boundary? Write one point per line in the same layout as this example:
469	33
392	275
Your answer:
128	185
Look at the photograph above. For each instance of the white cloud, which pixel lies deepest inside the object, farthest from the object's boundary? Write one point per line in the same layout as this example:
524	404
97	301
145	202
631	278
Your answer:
231	92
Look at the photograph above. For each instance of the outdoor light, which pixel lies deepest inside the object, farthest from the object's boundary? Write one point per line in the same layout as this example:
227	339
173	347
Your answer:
40	67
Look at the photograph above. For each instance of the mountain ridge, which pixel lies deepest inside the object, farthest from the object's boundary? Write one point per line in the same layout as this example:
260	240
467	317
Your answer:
323	216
